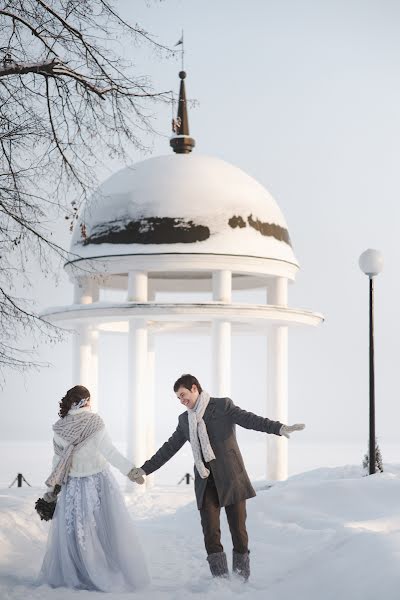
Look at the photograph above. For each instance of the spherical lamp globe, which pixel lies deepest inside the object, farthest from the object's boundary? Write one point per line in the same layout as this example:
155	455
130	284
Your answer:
371	262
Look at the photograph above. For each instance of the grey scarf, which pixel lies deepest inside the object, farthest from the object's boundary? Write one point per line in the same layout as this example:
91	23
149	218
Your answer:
76	429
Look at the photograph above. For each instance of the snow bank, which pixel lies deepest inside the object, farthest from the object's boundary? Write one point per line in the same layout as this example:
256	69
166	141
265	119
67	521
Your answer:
320	535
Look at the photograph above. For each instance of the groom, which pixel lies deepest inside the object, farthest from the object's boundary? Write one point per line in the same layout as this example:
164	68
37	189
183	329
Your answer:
220	475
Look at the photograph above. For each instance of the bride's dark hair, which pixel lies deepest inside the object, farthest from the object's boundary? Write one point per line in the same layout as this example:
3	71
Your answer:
79	392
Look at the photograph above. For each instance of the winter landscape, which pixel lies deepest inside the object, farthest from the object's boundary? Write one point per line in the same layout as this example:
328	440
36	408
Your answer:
228	248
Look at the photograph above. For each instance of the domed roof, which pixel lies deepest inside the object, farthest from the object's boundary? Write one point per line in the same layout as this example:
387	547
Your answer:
183	204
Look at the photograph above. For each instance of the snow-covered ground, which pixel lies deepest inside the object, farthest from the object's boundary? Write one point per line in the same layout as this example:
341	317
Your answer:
323	534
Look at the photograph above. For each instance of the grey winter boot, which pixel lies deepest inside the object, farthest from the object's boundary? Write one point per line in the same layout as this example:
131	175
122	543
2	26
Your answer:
241	564
218	564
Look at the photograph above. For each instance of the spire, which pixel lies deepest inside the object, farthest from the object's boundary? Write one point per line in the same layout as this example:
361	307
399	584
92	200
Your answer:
181	142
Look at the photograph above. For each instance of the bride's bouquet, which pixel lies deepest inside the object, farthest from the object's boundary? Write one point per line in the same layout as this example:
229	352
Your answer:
46	507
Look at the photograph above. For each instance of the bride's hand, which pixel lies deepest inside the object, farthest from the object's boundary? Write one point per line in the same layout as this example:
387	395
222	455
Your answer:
49	497
137	475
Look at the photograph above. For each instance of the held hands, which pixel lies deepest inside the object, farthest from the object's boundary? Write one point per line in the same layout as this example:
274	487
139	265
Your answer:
136	475
286	430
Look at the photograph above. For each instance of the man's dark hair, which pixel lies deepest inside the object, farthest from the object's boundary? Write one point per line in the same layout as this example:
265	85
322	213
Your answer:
187	381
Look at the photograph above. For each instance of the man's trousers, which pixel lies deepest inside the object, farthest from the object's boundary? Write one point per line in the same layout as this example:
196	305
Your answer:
210	521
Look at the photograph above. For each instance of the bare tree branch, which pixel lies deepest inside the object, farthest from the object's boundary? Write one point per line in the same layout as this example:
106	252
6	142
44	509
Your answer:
67	102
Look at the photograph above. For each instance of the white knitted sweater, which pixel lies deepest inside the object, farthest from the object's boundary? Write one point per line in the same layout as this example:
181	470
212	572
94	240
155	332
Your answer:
95	454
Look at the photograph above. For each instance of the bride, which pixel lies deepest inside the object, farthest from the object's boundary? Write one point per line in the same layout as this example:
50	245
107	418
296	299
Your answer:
92	544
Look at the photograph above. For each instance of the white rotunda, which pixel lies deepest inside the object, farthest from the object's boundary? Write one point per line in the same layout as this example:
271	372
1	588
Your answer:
182	222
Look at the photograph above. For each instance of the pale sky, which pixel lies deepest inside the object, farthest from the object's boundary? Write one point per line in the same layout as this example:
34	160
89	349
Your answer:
305	97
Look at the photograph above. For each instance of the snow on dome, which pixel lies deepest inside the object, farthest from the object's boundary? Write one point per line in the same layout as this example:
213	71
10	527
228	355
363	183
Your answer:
183	204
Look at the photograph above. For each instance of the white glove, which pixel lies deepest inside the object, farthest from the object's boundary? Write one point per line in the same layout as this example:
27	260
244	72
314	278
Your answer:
137	475
49	497
287	429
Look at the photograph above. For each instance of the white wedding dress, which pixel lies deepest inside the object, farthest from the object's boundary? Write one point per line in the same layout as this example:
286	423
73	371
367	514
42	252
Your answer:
92	543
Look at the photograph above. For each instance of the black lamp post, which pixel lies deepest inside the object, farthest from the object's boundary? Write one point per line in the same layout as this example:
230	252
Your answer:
371	263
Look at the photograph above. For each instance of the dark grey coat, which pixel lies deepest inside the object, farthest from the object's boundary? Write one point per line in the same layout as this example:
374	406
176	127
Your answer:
231	480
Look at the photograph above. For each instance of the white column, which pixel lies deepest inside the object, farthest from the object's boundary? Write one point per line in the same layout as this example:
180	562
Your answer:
221	336
86	290
222	286
277	291
137	373
85	360
221	356
137	392
94	368
137	286
81	355
277	401
85	346
150	441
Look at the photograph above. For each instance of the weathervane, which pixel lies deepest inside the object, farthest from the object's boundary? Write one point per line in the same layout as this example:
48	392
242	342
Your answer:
180	42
